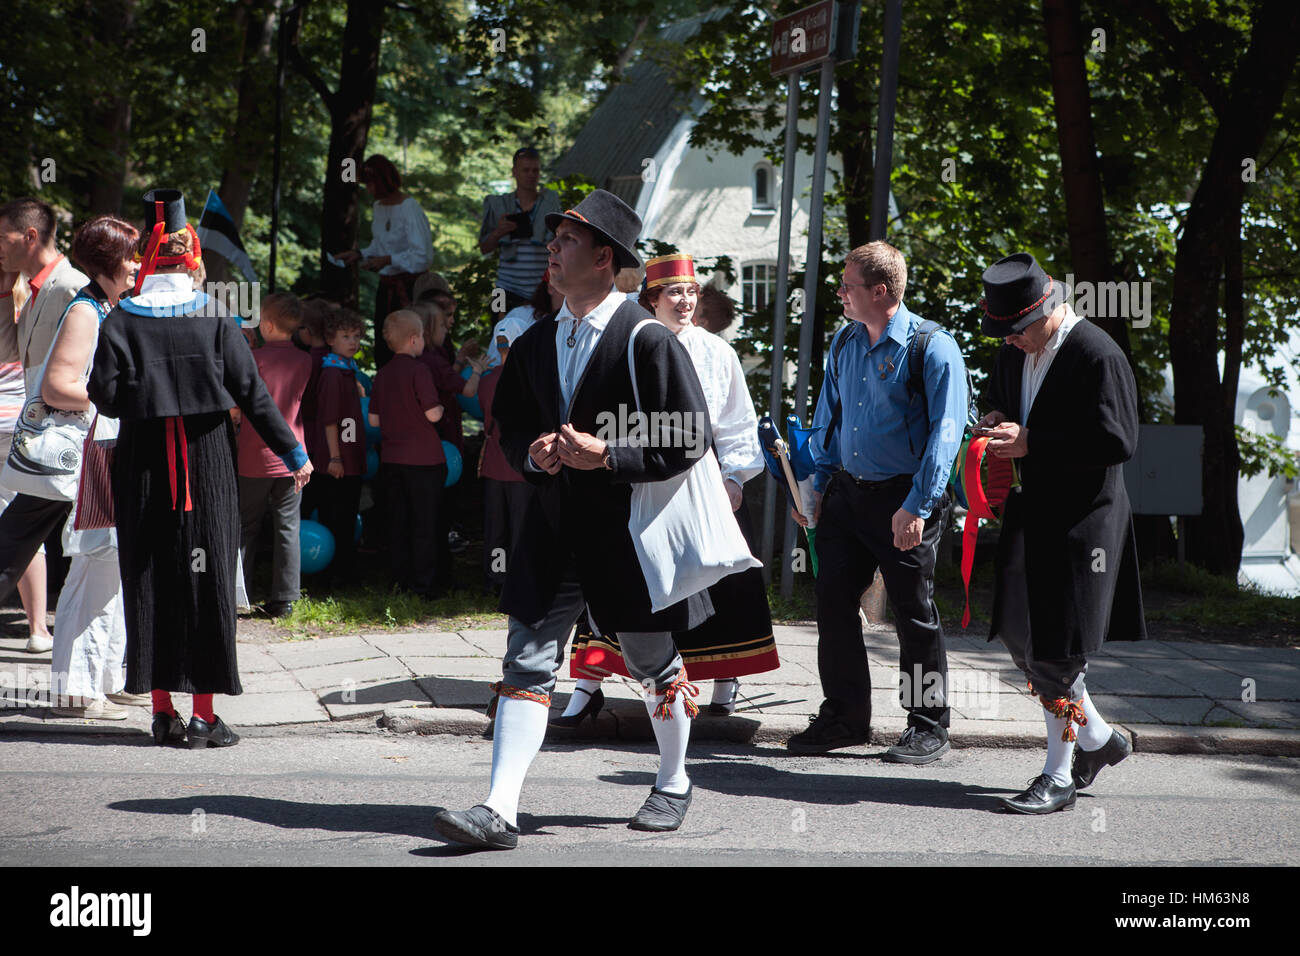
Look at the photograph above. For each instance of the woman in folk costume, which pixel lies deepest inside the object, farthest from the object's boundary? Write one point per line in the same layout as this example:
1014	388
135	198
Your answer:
1065	408
737	640
169	365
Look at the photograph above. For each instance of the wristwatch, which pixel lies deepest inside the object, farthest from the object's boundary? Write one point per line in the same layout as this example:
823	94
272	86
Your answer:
607	461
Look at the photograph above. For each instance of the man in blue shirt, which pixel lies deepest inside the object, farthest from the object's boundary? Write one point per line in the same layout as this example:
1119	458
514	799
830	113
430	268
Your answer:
883	460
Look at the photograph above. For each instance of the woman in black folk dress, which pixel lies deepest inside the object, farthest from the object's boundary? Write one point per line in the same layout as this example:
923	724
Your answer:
170	364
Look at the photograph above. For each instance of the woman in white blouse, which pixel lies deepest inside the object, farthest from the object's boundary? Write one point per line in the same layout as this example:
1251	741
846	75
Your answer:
737	640
401	246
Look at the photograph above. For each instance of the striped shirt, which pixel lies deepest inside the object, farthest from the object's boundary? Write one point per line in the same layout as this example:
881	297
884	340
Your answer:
522	253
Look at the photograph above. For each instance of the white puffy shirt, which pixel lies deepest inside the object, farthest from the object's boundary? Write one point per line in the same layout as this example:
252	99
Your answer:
402	232
731	411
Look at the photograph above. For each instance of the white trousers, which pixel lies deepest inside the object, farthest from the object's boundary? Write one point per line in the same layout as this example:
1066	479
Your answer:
89	629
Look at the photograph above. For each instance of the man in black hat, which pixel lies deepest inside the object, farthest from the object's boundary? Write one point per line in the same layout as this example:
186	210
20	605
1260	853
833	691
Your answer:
1065	408
564	379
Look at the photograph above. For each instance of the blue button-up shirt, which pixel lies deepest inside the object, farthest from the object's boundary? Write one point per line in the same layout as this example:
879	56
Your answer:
882	431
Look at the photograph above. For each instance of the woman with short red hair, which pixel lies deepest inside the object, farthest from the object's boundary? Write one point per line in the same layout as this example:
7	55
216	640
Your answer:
87	667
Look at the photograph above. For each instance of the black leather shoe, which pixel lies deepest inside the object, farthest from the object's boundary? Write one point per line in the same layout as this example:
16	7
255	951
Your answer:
167	729
828	731
480	827
1043	796
1088	763
276	609
594	703
662	811
918	746
729	708
216	734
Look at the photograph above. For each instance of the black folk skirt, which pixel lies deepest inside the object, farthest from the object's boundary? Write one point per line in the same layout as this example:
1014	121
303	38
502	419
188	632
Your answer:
178	566
737	640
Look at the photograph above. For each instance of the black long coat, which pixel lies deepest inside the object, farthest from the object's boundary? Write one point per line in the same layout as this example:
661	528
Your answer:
177	566
581	517
1067	562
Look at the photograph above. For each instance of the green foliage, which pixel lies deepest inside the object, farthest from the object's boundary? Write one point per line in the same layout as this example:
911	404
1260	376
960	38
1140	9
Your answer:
1265	452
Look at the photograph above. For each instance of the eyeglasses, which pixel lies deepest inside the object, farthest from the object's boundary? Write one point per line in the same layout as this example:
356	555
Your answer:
853	285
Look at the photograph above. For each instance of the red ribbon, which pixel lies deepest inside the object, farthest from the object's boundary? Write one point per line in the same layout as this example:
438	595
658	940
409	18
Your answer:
175	433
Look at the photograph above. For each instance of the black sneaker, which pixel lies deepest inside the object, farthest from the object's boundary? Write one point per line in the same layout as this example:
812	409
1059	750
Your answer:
456	542
480	827
276	609
918	746
828	731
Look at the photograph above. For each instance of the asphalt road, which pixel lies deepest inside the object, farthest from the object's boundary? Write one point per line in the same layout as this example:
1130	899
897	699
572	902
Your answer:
368	798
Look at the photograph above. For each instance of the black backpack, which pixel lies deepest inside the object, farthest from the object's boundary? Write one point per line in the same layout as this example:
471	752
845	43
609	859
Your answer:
915	378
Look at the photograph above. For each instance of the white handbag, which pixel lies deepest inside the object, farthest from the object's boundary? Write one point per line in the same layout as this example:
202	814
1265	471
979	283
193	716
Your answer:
686	537
45	457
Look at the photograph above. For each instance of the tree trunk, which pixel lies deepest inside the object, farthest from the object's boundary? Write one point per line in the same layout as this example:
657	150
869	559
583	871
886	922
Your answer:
350	112
1211	229
1085	210
109	115
852	138
249	137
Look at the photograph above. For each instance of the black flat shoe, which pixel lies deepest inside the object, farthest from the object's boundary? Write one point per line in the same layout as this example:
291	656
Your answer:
662	811
167	729
1087	764
1043	796
216	734
595	702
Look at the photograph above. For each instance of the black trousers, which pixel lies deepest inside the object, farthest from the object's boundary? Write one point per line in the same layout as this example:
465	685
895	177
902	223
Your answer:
417	530
23	526
338	500
855	537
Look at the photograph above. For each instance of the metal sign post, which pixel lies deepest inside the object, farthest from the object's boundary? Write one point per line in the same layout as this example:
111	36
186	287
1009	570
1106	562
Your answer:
770	489
813	36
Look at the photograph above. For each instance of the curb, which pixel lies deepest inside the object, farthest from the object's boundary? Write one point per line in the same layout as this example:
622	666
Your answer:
627	721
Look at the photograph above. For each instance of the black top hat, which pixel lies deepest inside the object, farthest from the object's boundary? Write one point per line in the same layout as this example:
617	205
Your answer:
173	210
1017	293
610	218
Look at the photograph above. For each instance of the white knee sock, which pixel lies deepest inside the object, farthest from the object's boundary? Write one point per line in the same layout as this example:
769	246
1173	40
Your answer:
725	691
579	701
672	737
518	735
1059	752
1096	732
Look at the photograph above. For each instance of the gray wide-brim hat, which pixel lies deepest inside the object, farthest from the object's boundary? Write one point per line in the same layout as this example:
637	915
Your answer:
611	219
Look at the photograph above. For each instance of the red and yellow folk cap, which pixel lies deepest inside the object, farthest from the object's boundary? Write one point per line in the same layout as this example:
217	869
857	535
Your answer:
668	270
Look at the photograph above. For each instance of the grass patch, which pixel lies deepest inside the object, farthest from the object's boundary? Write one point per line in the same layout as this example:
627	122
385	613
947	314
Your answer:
1216	602
370	609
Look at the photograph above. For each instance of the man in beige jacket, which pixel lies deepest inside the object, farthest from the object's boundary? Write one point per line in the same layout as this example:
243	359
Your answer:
27	246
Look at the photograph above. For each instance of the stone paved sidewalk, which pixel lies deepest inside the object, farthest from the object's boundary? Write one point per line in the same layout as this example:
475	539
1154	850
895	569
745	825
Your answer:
1171	697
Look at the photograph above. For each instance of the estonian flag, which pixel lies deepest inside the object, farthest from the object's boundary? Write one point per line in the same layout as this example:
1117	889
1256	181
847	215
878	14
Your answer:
217	233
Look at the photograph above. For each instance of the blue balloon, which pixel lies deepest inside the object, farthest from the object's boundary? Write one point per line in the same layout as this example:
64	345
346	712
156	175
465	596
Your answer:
317	545
364	379
454	463
470	405
372	463
372	433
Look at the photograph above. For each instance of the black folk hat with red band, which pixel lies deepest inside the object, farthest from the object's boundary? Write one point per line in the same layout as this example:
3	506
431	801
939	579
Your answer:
610	218
164	215
1017	293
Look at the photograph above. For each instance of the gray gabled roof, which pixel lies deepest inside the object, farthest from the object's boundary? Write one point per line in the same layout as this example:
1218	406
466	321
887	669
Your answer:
631	123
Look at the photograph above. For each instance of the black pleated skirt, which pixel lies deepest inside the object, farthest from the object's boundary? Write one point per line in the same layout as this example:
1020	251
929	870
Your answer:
178	566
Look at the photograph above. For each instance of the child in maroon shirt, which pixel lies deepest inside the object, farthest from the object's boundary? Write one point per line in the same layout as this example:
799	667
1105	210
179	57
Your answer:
404	406
339	454
263	478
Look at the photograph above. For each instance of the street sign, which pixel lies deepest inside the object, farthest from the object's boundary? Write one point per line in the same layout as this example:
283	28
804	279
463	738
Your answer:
804	39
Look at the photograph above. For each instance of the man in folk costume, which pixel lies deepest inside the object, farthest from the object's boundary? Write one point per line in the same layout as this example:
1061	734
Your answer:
1064	406
563	381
